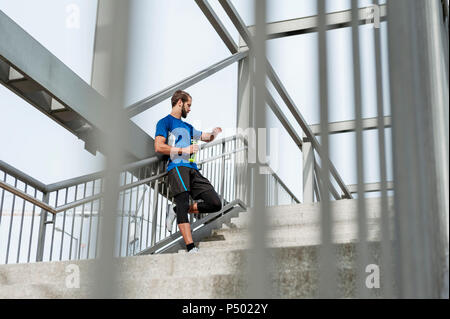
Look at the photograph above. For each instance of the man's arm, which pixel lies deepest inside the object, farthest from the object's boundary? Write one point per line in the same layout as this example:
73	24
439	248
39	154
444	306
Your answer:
163	148
209	137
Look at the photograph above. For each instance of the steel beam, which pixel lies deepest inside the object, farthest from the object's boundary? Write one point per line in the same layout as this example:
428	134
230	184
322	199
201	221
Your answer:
335	20
160	96
350	126
283	119
217	25
45	79
370	187
245	34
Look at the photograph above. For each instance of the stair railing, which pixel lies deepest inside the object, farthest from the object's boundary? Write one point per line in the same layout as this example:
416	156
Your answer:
61	221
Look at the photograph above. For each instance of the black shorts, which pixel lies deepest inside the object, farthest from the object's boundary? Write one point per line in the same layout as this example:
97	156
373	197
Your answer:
187	179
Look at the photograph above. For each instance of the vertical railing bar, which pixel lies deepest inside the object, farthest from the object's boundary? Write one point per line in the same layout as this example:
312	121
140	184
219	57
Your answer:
361	247
143	204
277	188
271	189
167	199
207	165
97	242
386	257
154	208
152	170
230	178
11	222
74	214
90	220
3	196
32	228
235	175
129	218
214	170
64	226
238	172
327	262
135	213
316	186
225	175
222	175
122	215
160	214
229	174
81	222
21	226
53	227
218	150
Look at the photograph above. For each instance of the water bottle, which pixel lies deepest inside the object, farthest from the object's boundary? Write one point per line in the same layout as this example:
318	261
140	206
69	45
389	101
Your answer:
193	155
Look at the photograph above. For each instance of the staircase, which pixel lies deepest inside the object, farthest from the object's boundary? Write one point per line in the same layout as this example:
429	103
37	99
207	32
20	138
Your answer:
218	270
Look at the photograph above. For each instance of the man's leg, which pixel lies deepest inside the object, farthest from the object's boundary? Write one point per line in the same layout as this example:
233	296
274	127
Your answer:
211	202
182	208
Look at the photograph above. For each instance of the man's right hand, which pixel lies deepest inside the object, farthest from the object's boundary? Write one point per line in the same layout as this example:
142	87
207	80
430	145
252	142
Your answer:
190	149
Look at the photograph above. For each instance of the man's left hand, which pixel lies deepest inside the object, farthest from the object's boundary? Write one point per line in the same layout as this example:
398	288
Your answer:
216	131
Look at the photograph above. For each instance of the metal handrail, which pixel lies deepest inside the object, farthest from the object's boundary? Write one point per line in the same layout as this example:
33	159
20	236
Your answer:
135	233
285	187
22	176
221	155
90	177
27	197
58	209
131	166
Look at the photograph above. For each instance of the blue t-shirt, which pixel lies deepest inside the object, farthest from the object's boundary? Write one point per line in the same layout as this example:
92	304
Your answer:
178	134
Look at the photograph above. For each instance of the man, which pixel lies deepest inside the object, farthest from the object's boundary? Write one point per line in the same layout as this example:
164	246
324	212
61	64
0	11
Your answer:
173	137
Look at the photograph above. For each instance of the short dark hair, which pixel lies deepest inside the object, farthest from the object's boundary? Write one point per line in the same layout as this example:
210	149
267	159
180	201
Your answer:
184	96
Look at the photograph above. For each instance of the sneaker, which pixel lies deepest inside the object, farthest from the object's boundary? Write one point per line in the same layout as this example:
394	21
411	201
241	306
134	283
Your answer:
193	250
170	218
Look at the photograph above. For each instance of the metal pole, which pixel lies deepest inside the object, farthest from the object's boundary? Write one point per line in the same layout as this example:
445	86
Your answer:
327	260
116	121
21	227
308	171
42	230
362	253
419	90
259	271
386	249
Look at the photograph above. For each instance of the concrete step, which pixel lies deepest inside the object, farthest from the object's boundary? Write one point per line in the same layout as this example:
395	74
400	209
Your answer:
290	236
202	275
286	285
218	270
310	213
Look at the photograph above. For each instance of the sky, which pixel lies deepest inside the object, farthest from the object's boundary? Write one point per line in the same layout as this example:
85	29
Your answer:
171	40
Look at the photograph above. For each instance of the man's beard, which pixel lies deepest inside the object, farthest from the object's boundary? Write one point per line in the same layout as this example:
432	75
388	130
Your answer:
183	113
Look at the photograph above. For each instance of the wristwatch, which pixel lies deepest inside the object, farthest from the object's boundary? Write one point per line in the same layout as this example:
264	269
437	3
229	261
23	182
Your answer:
180	152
